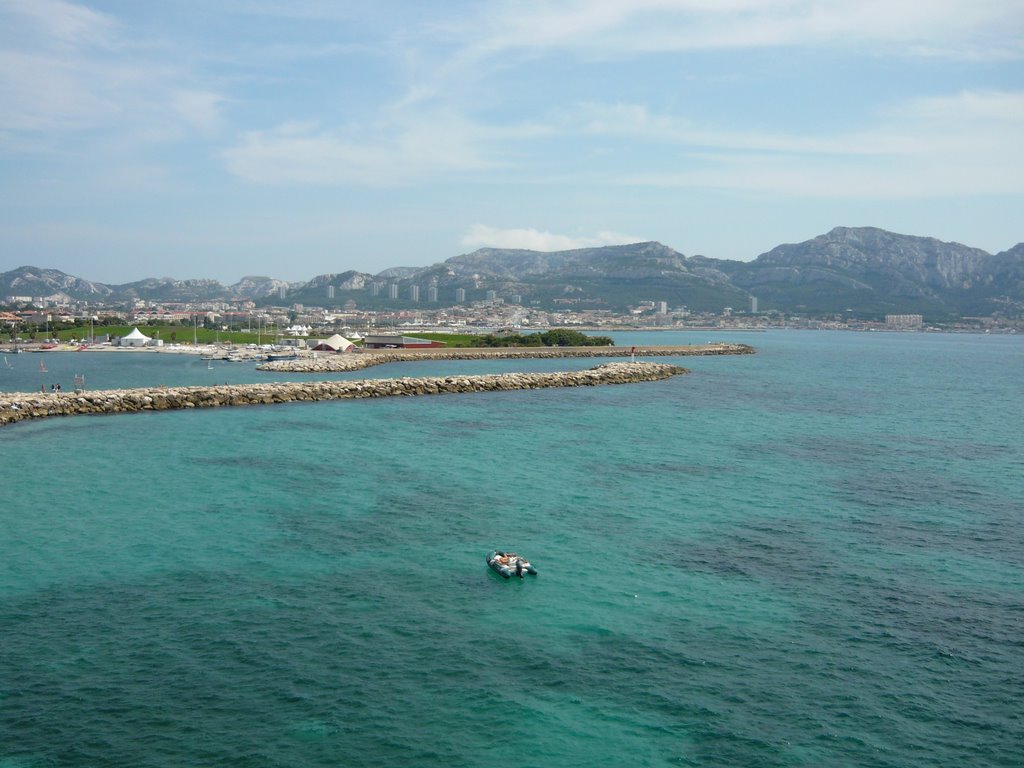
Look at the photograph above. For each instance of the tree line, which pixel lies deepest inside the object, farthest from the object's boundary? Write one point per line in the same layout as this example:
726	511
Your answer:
557	337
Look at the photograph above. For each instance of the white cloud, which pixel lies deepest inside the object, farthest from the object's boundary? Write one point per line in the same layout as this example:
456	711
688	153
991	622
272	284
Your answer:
379	155
66	70
906	128
963	143
881	179
483	236
43	94
612	27
199	109
59	21
966	142
460	60
983	106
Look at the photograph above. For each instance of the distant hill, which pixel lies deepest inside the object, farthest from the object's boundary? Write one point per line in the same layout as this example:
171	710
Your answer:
612	277
873	271
863	270
34	281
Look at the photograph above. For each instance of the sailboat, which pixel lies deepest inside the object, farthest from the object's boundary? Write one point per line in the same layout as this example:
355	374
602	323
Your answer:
42	367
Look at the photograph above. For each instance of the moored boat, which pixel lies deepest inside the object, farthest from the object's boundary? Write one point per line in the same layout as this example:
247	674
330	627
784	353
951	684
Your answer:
509	564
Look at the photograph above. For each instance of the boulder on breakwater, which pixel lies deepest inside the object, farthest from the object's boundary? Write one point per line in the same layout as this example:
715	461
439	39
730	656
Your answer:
20	406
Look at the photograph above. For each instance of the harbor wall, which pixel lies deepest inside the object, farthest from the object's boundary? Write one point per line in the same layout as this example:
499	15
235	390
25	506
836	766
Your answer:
21	406
339	362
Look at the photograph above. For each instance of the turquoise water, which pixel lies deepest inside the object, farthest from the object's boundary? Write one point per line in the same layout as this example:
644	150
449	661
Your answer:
811	556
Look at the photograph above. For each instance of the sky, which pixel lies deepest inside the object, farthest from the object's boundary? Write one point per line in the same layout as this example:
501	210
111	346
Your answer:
225	138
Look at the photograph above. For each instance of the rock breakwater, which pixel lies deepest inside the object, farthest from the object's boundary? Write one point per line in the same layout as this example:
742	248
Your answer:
337	363
21	406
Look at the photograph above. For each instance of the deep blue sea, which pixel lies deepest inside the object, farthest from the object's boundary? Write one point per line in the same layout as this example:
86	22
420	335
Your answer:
812	556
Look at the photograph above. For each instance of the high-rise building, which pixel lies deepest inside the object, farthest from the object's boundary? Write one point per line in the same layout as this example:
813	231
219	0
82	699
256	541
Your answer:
460	295
414	292
393	291
753	304
904	321
330	291
432	293
492	295
282	292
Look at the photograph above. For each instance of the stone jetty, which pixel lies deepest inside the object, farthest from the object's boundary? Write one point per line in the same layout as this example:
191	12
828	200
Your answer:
20	406
337	363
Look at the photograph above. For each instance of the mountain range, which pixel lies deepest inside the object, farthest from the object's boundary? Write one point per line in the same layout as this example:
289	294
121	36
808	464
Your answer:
860	270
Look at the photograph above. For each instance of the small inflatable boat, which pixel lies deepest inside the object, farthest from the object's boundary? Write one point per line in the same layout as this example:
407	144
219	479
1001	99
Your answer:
509	564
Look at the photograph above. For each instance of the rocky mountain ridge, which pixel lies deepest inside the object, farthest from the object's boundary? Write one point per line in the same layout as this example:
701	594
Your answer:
863	270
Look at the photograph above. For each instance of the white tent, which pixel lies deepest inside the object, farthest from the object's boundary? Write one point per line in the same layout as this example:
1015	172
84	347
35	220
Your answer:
336	343
135	339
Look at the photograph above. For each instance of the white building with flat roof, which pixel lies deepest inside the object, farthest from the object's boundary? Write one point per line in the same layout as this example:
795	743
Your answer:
904	321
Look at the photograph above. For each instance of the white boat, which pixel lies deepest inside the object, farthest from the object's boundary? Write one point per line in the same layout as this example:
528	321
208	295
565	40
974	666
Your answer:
508	564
